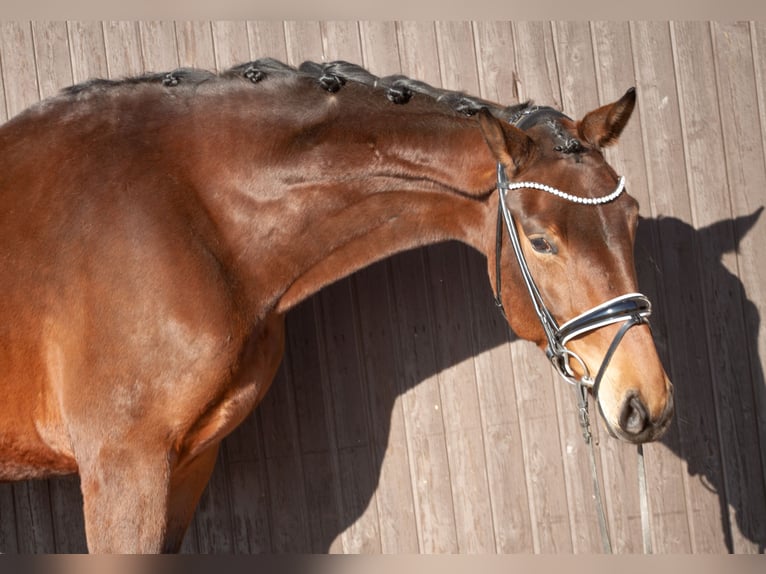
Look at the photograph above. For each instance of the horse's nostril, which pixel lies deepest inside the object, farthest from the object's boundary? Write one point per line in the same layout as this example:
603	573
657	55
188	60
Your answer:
633	418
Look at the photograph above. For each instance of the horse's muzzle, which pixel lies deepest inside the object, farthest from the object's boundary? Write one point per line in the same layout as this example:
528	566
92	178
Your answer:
636	425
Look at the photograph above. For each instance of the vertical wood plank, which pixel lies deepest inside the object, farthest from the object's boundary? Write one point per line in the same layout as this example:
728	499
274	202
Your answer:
18	59
212	520
304	42
123	51
9	543
536	394
352	467
538	75
666	175
67	515
248	487
3	104
380	47
286	503
86	44
754	279
496	58
315	440
33	517
267	40
421	405
709	201
159	48
393	496
251	458
340	41
452	294
384	370
494	368
231	43
346	375
194	41
422	402
615	73
745	172
52	58
758	40
579	95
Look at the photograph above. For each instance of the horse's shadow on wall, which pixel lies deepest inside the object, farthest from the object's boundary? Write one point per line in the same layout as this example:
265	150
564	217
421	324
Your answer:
272	489
669	254
716	368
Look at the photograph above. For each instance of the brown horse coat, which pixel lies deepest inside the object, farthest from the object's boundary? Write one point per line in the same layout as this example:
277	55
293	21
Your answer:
153	232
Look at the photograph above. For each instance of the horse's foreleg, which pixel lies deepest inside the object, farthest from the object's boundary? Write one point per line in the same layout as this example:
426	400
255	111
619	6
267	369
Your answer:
136	504
125	498
140	496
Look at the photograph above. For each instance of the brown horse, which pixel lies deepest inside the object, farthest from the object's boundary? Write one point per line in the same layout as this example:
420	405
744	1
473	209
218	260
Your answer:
154	231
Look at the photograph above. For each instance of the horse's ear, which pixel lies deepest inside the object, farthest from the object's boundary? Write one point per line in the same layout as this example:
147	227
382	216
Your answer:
510	146
603	126
721	235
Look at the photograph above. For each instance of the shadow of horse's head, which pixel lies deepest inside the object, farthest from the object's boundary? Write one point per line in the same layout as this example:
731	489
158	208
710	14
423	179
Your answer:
706	330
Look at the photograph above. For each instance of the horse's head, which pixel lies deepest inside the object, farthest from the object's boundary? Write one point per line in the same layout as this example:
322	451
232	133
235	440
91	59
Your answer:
572	263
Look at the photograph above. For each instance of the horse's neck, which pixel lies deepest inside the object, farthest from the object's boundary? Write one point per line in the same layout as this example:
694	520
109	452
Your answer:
303	220
375	228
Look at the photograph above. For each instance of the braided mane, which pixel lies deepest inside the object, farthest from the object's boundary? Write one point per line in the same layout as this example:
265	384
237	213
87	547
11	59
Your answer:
331	76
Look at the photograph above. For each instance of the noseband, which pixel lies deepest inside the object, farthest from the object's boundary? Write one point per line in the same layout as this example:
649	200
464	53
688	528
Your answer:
630	309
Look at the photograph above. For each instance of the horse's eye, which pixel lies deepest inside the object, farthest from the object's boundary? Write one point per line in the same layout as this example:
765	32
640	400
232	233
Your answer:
541	245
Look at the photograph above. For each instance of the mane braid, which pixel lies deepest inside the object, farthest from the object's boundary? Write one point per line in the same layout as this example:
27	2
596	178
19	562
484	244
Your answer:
331	76
399	89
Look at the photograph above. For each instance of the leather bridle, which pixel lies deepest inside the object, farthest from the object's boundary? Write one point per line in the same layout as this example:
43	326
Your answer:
630	309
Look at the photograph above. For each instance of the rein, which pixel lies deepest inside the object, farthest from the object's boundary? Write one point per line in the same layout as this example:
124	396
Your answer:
630	309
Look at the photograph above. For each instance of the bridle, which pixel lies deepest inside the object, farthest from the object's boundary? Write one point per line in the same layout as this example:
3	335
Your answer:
630	309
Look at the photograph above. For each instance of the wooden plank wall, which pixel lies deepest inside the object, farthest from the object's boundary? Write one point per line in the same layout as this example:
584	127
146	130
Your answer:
405	416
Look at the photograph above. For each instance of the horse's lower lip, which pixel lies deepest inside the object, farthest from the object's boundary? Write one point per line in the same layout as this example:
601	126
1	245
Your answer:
646	436
650	434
